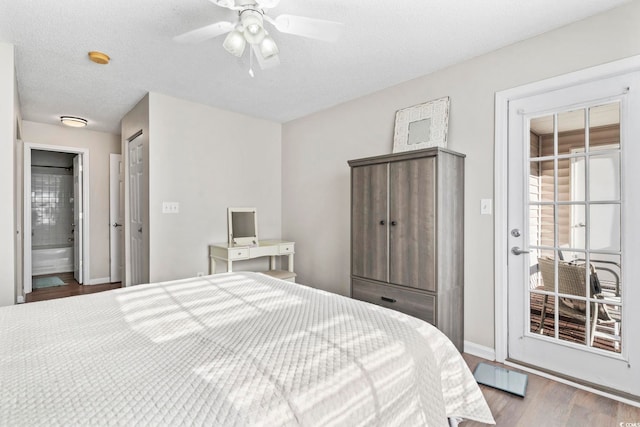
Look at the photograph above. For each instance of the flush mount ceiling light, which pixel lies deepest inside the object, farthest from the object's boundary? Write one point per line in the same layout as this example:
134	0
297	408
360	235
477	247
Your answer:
99	57
249	29
74	122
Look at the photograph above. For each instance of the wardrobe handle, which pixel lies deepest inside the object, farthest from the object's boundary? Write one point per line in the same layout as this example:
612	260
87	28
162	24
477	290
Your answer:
394	223
387	299
382	222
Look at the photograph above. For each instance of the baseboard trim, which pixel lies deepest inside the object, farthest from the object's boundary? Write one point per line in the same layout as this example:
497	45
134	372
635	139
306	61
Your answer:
479	350
622	397
99	281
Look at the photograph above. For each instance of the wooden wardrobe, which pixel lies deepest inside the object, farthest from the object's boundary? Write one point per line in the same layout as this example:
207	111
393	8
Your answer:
407	235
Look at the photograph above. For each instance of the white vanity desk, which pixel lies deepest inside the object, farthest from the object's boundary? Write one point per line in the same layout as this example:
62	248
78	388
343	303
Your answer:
272	248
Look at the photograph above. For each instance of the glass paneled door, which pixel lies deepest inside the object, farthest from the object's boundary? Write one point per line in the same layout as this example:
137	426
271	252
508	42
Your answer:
573	280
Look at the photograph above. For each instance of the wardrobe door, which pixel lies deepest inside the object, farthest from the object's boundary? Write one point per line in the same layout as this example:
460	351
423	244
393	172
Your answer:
412	223
369	221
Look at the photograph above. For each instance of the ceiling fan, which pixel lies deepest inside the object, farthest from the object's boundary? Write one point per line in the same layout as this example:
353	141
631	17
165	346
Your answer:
249	29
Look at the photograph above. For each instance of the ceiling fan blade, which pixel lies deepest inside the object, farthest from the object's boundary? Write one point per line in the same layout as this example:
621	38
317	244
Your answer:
318	29
265	64
205	33
267	4
229	4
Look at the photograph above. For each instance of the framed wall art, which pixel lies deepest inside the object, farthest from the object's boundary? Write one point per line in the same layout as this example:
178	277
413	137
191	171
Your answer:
422	126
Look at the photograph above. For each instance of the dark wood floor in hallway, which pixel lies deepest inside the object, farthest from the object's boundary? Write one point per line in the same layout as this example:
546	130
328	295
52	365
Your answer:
70	288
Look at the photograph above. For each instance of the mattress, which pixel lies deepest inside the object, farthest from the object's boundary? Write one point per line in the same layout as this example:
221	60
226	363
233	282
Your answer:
230	349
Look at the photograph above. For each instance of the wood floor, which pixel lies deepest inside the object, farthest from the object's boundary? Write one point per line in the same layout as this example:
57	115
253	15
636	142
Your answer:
70	288
549	403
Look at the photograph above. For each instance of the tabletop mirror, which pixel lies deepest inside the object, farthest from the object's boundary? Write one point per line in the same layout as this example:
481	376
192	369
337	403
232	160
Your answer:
242	224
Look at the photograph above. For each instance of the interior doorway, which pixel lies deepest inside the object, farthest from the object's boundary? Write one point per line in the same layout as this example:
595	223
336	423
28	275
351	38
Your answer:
55	214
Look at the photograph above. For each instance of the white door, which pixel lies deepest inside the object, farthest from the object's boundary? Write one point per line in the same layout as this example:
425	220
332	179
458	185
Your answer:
136	214
77	218
116	206
567	231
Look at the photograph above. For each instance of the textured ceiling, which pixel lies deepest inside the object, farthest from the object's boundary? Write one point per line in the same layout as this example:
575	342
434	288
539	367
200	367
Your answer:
384	43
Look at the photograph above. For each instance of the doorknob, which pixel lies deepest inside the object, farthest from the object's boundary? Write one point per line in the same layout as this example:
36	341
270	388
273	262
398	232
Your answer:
140	230
115	224
517	251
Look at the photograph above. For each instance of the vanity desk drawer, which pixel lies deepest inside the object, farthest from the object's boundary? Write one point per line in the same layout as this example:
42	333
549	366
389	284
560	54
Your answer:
230	253
286	248
238	253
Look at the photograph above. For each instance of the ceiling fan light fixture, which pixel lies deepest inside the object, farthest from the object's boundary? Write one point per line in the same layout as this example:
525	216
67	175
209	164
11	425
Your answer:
248	28
74	122
234	43
253	25
268	47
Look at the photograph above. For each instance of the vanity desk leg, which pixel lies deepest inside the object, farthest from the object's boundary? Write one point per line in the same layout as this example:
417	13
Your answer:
290	263
272	262
212	265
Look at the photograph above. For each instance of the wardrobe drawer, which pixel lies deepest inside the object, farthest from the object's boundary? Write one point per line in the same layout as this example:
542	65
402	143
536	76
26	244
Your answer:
416	304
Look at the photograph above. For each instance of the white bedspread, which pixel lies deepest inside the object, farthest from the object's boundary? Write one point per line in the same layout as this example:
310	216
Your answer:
231	349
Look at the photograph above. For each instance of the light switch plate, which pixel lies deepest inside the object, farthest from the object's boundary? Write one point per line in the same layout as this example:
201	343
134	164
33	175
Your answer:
485	206
170	207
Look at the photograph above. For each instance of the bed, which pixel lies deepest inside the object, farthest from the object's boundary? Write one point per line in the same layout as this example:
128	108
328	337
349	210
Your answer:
229	349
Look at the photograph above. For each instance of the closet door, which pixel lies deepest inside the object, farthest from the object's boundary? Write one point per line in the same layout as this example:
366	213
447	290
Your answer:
369	221
412	223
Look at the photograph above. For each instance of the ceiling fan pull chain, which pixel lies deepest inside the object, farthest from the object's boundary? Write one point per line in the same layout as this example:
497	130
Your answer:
251	63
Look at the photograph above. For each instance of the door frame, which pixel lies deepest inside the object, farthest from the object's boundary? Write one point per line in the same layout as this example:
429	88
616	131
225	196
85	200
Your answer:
27	285
119	193
501	234
78	209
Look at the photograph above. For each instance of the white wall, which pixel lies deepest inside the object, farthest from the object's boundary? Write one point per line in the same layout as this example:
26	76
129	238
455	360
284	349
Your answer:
8	117
207	159
315	150
100	145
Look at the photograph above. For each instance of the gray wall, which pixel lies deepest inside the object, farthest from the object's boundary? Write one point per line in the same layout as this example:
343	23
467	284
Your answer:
315	150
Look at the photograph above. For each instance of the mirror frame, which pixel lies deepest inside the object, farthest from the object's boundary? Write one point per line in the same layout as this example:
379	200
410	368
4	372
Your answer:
244	240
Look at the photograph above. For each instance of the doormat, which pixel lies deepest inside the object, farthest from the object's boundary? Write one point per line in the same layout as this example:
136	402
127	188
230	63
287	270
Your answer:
501	378
47	282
